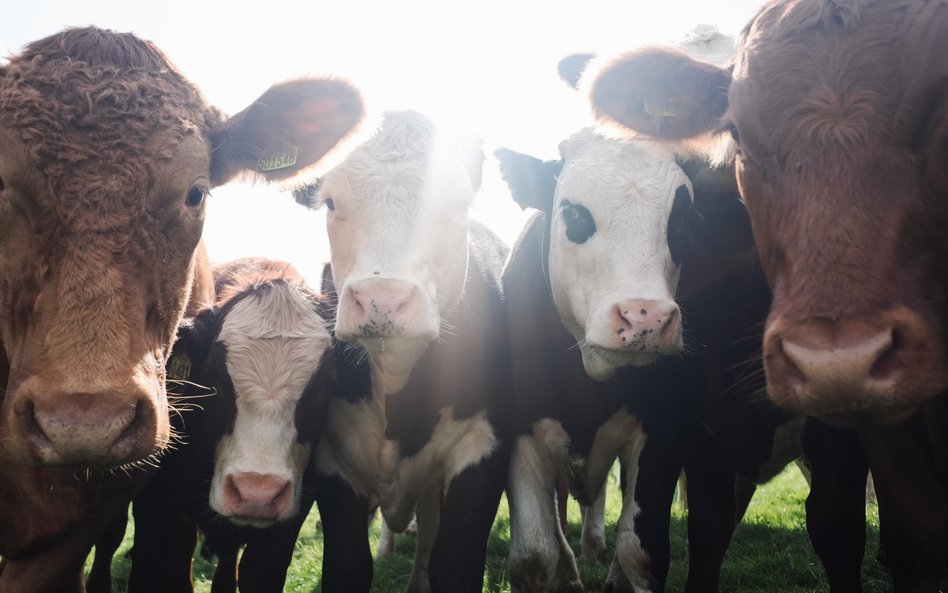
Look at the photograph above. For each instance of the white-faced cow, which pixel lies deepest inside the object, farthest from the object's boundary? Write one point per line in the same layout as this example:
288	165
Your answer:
420	301
106	156
602	260
697	413
839	120
263	359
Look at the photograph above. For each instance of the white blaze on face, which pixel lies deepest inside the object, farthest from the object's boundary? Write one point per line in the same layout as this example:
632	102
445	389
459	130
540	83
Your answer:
275	341
397	220
611	271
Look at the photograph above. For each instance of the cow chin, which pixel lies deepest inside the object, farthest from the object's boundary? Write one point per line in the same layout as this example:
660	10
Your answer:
601	363
394	358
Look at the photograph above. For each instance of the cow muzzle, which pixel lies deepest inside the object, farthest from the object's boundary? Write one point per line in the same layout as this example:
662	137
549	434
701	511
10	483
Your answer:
378	307
256	499
102	430
877	368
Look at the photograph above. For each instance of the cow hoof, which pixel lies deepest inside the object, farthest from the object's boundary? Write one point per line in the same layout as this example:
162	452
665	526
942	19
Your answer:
594	555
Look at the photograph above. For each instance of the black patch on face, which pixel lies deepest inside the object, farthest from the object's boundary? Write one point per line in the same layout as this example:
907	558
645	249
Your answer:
579	222
683	225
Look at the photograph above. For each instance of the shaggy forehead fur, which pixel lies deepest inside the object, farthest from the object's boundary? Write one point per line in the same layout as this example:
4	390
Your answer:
844	74
86	103
393	163
609	170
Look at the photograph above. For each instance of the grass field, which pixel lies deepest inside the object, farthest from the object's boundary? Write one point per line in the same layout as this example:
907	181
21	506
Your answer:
770	552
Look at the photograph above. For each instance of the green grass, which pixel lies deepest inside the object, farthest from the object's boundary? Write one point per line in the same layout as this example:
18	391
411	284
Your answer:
770	551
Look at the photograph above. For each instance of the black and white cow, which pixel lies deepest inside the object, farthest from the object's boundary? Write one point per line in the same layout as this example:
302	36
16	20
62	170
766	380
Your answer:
622	224
422	428
259	366
597	267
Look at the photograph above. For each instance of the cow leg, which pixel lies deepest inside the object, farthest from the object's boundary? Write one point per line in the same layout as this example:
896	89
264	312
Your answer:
428	518
467	516
593	538
225	572
267	557
644	511
161	560
835	507
744	491
536	541
347	557
659	466
913	504
100	575
386	547
712	509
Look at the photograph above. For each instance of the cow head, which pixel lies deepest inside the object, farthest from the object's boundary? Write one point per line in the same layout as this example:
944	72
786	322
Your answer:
838	124
266	352
398	230
620	221
106	157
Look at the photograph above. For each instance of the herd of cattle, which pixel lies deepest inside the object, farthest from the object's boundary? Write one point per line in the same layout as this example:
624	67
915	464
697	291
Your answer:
744	264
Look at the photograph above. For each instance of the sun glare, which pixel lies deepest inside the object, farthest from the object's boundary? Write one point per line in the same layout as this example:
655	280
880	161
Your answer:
488	67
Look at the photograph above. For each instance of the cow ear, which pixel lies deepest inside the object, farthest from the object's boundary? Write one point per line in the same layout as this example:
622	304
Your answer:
190	351
571	68
291	126
532	182
660	92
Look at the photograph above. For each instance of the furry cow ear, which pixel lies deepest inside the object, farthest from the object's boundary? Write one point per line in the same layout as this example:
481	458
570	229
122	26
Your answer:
660	92
532	182
291	126
571	68
190	351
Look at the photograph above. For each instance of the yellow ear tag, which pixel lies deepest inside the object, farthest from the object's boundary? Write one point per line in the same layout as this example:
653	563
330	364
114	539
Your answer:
280	160
179	366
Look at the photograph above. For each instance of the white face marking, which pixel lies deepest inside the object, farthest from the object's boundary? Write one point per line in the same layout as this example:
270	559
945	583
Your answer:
628	187
275	341
398	239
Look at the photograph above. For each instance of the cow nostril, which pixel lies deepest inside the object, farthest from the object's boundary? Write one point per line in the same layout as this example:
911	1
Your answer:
231	494
792	372
407	301
887	362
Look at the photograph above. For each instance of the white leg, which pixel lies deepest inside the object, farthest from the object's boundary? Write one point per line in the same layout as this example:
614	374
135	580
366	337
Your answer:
428	518
536	541
630	555
386	548
593	538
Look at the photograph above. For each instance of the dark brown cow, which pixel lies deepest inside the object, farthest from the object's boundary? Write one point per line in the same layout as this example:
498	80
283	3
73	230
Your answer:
106	156
840	113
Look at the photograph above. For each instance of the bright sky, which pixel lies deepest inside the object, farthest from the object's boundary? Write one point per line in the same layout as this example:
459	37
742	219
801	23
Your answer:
487	66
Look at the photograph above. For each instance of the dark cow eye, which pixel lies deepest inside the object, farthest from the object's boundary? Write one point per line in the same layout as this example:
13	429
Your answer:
330	205
682	226
579	222
732	129
195	197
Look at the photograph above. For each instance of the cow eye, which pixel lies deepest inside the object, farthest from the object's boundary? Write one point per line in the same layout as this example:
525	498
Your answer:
195	197
2	186
732	129
330	205
579	222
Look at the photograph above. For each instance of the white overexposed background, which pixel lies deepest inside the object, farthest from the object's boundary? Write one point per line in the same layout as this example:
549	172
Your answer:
487	66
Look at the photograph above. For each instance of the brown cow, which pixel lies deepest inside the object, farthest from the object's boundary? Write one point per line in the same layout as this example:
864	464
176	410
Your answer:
839	110
106	156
